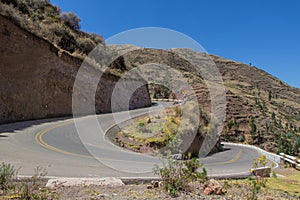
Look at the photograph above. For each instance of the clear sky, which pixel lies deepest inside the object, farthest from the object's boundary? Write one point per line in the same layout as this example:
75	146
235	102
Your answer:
265	33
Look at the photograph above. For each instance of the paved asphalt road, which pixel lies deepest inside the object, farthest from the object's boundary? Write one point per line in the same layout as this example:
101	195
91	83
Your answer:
56	146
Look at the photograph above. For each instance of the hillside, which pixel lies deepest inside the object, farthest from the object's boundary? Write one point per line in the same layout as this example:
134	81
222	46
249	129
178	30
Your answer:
47	21
271	107
261	109
37	78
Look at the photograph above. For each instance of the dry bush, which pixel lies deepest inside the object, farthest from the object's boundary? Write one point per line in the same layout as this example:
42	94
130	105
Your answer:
7	173
67	41
86	45
71	20
98	39
176	175
46	21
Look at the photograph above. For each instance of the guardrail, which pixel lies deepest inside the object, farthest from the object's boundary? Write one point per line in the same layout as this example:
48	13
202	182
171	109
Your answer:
169	100
290	159
270	156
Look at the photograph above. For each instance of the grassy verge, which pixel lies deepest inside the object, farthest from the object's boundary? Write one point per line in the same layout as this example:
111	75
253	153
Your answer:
278	188
149	134
290	184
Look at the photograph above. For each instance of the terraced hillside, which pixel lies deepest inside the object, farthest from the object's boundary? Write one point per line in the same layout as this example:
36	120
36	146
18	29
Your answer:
261	109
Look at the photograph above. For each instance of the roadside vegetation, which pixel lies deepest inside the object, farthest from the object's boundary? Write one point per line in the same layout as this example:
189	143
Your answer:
166	130
274	129
289	184
151	133
255	115
186	179
32	188
7	174
189	177
48	21
261	110
177	177
267	184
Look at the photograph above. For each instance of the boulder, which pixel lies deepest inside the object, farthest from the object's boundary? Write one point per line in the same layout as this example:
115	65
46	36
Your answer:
70	182
261	172
214	187
208	191
156	184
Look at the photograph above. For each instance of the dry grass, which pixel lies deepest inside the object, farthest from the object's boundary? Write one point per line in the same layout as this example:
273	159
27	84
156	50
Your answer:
290	184
44	20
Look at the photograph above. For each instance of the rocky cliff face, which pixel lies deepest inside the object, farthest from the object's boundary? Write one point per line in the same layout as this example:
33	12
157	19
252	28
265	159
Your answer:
36	79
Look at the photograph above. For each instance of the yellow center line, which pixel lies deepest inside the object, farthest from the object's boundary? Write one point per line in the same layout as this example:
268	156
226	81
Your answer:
39	139
234	159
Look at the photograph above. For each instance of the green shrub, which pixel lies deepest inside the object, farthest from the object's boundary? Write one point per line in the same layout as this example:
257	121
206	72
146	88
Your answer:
136	147
130	144
33	187
241	138
253	131
28	188
255	188
230	124
7	173
170	129
176	175
259	182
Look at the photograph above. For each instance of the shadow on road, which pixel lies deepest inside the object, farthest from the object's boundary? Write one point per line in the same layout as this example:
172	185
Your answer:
3	136
212	154
18	126
154	104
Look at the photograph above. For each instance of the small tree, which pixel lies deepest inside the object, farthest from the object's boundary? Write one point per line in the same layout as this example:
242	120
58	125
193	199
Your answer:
253	127
270	96
273	116
71	20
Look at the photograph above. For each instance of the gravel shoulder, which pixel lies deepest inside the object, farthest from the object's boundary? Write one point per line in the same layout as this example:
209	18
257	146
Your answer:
128	192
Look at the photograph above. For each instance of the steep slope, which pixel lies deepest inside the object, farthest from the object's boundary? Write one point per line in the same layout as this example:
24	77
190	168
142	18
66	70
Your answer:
261	109
271	107
41	50
36	78
45	20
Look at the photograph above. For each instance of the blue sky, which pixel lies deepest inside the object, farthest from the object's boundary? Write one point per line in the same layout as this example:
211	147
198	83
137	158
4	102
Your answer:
265	33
